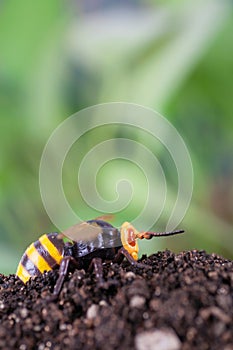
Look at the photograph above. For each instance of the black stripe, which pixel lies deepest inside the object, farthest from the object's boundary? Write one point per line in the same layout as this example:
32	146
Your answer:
29	266
45	254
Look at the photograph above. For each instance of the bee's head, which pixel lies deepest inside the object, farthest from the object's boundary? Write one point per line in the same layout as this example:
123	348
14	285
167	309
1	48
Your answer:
129	236
129	239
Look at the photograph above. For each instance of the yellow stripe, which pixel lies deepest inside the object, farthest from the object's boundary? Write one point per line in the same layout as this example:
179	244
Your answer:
37	259
22	273
51	248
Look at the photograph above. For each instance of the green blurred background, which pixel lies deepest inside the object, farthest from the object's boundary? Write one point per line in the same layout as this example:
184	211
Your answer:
59	57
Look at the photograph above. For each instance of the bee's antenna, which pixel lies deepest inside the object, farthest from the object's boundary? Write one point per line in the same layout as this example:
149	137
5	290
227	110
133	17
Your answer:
149	235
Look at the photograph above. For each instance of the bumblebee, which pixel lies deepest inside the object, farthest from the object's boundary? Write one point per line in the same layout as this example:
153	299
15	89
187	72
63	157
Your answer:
90	244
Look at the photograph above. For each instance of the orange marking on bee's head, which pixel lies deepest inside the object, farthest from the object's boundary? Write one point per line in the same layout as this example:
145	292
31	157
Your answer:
129	239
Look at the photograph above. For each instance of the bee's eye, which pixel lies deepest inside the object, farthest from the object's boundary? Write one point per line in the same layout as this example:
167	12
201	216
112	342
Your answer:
131	237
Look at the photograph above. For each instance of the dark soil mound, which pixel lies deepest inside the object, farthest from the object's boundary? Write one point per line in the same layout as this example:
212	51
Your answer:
184	302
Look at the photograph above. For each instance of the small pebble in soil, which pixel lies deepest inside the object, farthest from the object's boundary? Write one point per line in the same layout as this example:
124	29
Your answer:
137	301
165	339
92	311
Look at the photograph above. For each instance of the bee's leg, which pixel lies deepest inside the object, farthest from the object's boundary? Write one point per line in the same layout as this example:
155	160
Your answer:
63	271
97	265
119	257
122	252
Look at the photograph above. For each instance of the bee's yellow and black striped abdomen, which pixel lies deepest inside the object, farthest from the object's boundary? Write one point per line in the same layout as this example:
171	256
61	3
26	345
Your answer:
42	255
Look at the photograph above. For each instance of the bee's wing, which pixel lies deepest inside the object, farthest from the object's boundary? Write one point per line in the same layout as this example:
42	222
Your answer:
87	232
82	232
106	217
